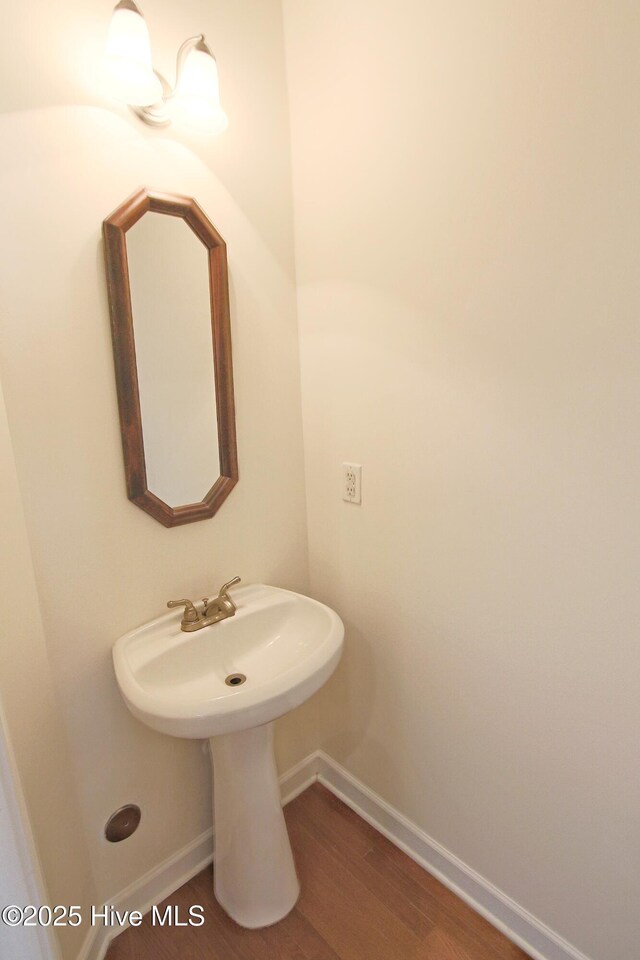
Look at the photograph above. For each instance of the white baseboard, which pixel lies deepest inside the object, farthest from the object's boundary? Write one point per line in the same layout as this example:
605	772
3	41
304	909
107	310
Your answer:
152	888
535	938
529	933
298	778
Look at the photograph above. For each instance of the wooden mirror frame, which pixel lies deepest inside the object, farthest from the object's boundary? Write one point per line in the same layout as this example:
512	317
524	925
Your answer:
114	230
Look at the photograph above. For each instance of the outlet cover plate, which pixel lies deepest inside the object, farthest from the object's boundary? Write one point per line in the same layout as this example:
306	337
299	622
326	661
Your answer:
352	482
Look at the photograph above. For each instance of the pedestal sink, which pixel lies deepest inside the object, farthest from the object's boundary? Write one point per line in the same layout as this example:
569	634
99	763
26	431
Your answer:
228	682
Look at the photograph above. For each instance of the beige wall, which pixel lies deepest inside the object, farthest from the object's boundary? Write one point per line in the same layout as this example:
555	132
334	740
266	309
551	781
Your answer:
101	564
31	719
468	225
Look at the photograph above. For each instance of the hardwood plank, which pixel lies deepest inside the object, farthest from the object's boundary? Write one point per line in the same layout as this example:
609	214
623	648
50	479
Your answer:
326	829
353	921
142	943
335	822
313	946
443	946
440	904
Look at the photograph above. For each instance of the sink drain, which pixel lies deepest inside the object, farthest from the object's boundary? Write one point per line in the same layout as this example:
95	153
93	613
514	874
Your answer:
235	679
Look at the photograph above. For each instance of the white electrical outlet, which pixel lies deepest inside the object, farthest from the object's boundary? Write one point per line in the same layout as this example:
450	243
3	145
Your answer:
352	482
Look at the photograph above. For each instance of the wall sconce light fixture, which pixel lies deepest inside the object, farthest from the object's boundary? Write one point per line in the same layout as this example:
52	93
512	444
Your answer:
130	77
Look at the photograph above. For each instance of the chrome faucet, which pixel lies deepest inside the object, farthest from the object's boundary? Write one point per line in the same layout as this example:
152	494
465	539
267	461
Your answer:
212	611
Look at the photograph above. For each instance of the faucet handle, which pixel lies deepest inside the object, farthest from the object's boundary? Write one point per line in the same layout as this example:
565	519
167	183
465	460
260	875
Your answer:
190	612
222	592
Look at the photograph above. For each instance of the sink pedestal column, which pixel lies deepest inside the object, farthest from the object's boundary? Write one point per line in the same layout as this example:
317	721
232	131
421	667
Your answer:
254	878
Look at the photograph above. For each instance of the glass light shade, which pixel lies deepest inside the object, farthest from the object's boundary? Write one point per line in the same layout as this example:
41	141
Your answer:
196	98
128	71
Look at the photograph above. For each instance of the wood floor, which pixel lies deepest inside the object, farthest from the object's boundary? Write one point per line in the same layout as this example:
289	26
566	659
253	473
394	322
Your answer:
362	899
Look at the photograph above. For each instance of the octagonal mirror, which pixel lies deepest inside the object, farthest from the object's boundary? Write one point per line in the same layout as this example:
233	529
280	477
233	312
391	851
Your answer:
169	303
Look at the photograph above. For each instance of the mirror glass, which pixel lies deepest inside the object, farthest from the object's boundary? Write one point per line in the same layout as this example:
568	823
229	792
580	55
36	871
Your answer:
169	303
169	281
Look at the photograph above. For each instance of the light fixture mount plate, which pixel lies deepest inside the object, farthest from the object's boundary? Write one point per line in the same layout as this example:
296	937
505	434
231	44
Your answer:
156	114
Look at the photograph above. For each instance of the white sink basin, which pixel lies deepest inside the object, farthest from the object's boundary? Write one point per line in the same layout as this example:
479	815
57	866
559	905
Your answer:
286	645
